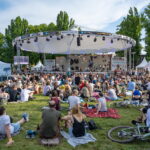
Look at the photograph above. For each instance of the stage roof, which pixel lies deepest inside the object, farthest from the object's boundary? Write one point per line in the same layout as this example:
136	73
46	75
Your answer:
73	42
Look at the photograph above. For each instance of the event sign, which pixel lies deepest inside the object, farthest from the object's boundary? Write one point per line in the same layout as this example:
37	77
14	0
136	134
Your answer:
49	64
120	62
23	60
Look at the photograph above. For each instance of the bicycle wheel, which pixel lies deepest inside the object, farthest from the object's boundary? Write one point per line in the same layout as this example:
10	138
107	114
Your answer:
121	134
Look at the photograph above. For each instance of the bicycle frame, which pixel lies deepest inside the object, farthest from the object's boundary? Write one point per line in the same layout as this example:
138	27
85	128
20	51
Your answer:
137	132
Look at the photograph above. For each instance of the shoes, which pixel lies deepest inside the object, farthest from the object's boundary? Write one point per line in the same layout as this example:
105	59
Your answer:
25	116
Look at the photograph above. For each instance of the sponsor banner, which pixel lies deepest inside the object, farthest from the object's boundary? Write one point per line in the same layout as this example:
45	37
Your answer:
119	62
23	60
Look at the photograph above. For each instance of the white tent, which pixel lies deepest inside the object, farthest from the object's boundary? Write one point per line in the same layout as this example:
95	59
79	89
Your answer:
5	69
148	66
38	66
142	64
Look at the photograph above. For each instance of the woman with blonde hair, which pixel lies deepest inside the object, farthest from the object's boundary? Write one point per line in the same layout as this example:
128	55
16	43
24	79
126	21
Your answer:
75	122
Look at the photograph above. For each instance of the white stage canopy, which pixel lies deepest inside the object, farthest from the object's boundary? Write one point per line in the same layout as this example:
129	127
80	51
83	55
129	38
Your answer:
73	42
142	64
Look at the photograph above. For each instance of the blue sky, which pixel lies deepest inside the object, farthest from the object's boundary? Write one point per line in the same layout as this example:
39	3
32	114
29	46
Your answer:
99	15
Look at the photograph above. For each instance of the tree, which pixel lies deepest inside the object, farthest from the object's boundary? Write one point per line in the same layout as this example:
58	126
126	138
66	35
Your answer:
16	28
147	31
63	22
131	26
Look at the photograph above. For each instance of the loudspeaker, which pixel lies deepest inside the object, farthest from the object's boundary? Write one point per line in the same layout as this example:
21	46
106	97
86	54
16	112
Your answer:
78	41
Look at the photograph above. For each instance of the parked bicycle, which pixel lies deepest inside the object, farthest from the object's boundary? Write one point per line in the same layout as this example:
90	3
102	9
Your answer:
126	134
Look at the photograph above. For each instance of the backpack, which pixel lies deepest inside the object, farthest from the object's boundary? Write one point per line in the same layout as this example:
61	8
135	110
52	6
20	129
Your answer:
92	125
78	128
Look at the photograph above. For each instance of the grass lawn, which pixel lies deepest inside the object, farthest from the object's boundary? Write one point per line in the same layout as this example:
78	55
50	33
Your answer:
102	143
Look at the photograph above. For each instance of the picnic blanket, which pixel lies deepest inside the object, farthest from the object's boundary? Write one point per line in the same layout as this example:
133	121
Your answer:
74	141
111	113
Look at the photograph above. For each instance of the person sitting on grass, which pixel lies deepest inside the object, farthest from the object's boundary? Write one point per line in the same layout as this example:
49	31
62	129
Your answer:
102	106
75	122
137	95
111	94
49	127
74	100
56	98
7	128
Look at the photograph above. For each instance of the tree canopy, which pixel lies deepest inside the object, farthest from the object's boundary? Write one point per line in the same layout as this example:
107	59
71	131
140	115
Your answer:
131	26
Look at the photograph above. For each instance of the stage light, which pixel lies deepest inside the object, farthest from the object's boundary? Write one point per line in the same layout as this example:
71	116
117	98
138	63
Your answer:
47	39
36	39
88	36
62	36
58	38
50	36
22	41
95	39
118	39
103	38
78	41
28	41
20	44
111	41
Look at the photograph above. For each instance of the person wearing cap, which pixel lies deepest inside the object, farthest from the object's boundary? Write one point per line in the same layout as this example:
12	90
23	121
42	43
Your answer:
49	127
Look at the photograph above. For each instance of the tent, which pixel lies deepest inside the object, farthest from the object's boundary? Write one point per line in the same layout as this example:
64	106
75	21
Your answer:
148	66
142	64
38	66
5	69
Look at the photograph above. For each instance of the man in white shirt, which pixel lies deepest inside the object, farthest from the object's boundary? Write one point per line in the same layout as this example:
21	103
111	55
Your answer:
74	100
7	128
25	93
111	94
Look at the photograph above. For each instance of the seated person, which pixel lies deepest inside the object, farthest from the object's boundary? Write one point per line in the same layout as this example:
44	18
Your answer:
102	106
56	98
75	122
25	94
137	95
111	94
49	127
74	100
7	128
131	85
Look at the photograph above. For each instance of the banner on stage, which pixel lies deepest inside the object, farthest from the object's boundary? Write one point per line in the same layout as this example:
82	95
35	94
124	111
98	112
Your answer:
119	62
22	60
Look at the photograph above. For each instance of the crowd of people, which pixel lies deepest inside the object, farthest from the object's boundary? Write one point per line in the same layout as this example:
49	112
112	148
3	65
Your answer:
76	90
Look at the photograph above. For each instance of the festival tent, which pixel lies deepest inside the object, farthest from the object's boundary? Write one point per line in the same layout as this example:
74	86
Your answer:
142	64
148	66
38	66
5	69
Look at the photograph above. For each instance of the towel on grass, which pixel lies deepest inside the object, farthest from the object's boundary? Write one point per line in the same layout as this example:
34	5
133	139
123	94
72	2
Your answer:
111	113
74	141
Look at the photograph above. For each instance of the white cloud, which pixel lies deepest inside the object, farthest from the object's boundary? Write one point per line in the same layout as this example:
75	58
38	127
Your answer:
94	14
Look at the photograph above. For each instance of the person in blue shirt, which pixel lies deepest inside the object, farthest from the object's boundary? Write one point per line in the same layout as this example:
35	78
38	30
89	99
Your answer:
137	95
131	85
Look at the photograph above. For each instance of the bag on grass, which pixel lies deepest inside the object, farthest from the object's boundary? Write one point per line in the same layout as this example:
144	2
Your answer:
92	125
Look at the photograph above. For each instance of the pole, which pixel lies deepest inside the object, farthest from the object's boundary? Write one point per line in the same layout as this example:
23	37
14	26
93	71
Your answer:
130	59
133	60
18	54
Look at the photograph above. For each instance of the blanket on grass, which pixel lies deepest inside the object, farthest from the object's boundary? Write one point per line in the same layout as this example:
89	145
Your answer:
111	113
74	141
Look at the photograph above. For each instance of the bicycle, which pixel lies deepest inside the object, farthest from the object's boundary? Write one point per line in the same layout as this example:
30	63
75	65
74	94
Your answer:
126	134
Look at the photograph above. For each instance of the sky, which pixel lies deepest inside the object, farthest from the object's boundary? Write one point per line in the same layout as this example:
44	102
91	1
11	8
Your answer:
99	15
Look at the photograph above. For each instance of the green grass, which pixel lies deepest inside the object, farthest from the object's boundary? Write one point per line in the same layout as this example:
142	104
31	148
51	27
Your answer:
102	143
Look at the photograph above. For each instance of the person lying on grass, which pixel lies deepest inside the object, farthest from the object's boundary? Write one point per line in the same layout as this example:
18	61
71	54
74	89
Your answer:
7	128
